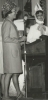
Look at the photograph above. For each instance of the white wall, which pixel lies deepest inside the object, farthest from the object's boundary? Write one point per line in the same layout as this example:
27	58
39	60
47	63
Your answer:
47	10
1	53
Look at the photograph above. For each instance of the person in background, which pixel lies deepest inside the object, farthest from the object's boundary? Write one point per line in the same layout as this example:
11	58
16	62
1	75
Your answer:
12	60
37	29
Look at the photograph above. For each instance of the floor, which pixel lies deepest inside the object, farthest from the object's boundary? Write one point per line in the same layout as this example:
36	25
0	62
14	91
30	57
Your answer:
13	98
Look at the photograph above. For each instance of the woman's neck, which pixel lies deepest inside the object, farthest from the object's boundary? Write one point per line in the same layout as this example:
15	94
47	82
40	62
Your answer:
10	18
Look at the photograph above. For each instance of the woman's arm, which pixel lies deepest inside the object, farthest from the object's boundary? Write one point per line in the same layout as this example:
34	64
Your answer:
6	29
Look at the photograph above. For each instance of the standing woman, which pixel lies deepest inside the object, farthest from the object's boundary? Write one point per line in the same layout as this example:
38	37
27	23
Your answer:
12	61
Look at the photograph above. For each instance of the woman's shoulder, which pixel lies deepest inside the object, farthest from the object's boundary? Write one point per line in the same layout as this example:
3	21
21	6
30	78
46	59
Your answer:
6	23
32	27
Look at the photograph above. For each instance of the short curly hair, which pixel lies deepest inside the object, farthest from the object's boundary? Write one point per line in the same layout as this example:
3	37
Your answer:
7	7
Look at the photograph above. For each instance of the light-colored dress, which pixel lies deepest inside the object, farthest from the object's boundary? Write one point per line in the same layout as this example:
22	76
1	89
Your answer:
35	33
12	61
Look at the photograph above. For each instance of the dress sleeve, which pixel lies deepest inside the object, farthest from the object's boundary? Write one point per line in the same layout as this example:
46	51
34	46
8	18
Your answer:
29	36
6	29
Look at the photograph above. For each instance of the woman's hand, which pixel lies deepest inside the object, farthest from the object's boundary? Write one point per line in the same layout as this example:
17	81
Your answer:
42	29
24	38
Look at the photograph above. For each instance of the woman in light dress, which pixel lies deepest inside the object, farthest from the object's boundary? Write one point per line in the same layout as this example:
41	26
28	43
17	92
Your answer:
12	60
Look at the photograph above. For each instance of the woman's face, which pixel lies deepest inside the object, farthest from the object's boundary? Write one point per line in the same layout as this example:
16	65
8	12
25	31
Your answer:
40	16
13	14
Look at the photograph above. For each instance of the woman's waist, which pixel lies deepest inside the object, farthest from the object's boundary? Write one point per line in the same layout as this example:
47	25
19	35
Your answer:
14	45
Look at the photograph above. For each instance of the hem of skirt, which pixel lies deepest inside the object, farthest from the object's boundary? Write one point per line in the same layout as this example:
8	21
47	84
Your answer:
13	72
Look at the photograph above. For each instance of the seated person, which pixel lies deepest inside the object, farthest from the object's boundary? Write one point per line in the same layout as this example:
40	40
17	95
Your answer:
38	29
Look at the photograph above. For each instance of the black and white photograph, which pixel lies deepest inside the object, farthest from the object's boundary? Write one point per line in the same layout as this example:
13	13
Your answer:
23	49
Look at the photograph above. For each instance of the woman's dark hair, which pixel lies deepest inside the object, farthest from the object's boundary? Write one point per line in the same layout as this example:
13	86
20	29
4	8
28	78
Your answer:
39	11
5	15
